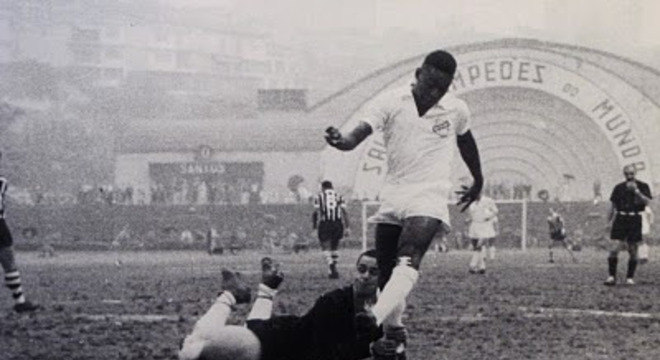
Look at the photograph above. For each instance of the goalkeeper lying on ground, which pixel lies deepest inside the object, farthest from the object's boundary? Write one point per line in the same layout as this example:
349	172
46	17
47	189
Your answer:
326	331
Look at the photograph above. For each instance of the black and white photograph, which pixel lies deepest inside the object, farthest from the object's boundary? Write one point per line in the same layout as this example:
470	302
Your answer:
329	179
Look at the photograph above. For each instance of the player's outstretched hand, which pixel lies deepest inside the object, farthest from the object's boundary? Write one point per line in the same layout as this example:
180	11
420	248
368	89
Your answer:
468	195
332	136
347	232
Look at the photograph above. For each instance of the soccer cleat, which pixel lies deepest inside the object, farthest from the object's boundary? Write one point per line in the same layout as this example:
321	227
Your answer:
611	281
232	282
481	271
630	281
366	325
399	335
26	307
271	275
472	271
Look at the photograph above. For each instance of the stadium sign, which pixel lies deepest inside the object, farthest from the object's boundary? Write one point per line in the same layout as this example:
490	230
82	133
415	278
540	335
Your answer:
198	168
594	101
621	112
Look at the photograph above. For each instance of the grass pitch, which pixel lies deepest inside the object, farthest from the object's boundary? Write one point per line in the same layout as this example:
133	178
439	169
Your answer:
522	308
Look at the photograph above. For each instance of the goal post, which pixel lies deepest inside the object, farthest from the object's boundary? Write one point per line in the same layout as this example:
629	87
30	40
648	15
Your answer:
512	218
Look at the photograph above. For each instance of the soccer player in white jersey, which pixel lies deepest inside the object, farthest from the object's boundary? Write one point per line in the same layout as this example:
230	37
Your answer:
422	126
482	217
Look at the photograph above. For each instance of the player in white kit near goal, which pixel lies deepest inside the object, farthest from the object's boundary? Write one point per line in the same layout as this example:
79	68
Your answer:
482	216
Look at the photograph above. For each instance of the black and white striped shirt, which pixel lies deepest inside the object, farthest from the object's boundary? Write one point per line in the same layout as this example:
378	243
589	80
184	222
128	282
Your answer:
329	205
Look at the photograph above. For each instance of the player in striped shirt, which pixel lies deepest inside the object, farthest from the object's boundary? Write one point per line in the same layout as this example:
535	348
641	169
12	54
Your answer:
7	258
331	222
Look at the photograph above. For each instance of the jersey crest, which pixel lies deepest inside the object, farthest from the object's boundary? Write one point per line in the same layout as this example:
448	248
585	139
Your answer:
441	127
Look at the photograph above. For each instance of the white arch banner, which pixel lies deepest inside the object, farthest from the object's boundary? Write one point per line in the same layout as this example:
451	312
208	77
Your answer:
623	114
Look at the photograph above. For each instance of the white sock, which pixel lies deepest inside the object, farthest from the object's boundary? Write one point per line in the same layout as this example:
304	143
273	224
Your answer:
474	260
491	252
216	316
482	258
395	319
262	308
328	256
396	290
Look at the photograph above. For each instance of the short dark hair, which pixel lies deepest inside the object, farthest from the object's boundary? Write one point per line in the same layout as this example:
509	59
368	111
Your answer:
629	168
442	61
326	184
369	253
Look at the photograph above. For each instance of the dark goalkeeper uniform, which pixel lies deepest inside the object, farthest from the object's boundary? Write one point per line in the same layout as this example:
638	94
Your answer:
325	332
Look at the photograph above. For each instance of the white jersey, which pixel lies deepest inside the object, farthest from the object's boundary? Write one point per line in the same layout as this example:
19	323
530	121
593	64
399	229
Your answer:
419	150
419	153
483	215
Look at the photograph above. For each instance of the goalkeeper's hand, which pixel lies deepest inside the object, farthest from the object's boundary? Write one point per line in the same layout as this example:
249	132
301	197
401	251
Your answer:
383	349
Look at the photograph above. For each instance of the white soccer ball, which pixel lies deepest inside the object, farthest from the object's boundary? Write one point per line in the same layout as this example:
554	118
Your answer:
225	343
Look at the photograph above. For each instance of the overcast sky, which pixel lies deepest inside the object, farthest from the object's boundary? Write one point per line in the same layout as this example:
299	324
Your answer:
624	22
348	39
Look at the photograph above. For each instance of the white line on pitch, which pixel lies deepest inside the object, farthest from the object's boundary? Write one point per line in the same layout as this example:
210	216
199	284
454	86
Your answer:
528	312
562	265
543	312
148	318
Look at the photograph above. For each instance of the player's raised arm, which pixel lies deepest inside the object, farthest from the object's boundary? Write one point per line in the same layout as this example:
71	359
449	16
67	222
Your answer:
349	141
467	146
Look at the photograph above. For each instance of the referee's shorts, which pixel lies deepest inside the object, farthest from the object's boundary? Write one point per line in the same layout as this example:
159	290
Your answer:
627	227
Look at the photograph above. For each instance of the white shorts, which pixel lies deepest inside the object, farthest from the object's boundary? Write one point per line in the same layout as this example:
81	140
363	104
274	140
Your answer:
481	230
399	202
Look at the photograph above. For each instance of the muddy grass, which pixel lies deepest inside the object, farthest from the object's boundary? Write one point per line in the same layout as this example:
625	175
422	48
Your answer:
522	308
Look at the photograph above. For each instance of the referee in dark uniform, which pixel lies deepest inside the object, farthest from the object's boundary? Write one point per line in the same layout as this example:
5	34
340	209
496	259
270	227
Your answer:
329	218
629	198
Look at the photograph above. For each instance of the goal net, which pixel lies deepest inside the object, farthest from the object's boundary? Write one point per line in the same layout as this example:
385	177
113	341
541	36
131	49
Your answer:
513	225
